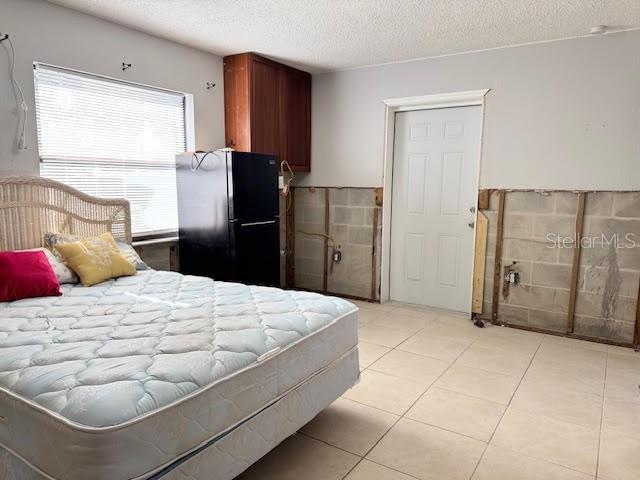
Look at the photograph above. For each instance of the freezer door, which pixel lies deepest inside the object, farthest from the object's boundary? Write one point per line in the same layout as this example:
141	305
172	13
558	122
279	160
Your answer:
257	250
255	187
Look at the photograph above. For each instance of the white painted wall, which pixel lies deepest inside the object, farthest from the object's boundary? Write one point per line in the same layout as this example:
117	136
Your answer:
48	33
563	114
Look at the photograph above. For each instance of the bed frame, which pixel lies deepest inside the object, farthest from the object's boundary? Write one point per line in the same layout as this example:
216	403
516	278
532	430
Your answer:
33	206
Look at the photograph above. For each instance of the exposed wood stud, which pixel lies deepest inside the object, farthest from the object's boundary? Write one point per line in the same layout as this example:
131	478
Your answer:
575	266
374	255
483	199
290	243
479	257
498	256
636	333
327	230
379	194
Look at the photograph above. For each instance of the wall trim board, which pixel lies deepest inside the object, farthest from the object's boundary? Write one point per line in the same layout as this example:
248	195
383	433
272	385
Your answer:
422	102
563	334
575	265
439	100
497	272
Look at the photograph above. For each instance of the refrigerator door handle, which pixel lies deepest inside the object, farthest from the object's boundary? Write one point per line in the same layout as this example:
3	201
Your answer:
251	224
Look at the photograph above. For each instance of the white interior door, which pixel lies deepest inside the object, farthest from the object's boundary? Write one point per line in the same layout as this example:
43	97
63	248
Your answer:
435	170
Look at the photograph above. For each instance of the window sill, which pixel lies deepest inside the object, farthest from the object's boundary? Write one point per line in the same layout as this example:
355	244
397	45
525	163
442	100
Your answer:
154	241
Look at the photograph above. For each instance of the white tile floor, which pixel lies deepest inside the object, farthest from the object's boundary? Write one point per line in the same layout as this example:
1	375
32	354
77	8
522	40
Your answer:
440	399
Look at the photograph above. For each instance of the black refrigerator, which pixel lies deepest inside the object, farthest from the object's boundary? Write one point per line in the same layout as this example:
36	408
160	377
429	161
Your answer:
228	214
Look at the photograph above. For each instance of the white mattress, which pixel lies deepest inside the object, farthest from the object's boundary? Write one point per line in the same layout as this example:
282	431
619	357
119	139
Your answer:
118	380
232	453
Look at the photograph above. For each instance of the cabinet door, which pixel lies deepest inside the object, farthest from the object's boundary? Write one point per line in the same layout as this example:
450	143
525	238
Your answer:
237	102
265	100
295	110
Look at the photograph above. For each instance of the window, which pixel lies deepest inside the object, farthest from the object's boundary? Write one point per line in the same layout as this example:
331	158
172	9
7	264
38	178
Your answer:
108	138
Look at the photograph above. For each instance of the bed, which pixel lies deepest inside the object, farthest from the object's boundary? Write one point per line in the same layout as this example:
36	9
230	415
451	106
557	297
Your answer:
159	375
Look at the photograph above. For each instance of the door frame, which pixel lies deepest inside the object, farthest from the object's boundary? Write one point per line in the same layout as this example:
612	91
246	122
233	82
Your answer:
466	98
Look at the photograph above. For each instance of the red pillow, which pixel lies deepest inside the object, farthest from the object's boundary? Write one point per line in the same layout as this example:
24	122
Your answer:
26	275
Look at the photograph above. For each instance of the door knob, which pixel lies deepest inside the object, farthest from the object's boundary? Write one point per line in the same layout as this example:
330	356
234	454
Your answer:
472	209
471	224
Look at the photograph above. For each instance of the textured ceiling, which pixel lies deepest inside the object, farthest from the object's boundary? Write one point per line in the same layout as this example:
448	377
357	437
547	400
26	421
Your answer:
324	35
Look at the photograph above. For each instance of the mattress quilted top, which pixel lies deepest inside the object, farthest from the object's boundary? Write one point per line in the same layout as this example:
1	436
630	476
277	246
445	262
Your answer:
103	355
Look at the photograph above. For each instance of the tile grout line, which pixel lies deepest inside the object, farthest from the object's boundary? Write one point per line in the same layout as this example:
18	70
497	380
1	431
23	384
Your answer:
431	385
352	468
299	432
573	469
403	415
533	357
413	419
505	410
391	349
375	408
392	468
604	389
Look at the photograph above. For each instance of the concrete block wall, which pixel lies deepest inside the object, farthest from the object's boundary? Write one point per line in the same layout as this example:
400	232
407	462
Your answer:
542	296
351	214
309	244
610	266
351	226
538	231
535	227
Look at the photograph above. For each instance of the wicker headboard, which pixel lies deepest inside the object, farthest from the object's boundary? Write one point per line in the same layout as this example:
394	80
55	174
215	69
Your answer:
33	206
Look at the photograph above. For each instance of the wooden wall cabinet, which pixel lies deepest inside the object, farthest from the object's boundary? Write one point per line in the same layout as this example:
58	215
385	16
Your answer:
268	109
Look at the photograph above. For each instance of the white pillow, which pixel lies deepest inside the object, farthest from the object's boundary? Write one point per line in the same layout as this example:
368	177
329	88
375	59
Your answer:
64	273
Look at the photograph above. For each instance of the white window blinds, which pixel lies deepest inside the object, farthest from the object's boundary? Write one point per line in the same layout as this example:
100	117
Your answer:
112	139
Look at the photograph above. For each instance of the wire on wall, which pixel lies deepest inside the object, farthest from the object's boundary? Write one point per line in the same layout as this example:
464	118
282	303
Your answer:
336	250
321	235
17	90
197	163
286	189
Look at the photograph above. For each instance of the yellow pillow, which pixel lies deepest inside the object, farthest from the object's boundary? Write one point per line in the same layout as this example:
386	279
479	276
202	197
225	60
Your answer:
95	259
